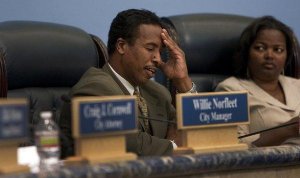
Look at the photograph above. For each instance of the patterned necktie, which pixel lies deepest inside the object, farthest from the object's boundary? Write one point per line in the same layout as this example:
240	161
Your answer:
144	110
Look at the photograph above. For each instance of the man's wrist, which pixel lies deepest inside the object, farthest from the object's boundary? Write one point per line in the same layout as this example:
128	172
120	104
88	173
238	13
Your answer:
182	85
192	90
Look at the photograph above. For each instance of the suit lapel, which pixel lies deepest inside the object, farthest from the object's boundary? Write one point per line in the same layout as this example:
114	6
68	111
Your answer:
155	111
255	90
154	106
291	93
107	69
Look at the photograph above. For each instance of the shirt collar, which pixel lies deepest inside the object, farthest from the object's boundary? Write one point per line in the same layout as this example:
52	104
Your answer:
127	85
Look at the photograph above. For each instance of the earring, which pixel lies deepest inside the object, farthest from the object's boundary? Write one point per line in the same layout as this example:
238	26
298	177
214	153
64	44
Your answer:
247	73
282	72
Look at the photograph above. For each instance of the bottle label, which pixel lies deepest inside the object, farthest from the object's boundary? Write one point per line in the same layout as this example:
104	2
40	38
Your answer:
48	141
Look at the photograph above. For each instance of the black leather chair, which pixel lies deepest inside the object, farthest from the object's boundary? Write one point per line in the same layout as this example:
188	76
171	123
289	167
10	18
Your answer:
209	41
41	61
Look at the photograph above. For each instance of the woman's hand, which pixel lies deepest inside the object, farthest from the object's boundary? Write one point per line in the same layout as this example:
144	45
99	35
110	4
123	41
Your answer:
278	136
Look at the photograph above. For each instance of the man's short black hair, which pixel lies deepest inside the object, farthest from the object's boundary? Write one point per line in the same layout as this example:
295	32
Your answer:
125	25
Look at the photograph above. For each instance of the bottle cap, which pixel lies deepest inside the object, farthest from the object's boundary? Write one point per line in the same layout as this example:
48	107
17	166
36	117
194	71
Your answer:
46	114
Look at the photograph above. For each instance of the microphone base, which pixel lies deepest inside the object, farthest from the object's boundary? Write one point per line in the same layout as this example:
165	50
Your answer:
183	151
223	148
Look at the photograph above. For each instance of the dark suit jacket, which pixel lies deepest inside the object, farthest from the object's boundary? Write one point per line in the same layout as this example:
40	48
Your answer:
102	82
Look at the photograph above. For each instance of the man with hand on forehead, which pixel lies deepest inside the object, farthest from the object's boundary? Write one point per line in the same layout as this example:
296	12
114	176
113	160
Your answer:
136	39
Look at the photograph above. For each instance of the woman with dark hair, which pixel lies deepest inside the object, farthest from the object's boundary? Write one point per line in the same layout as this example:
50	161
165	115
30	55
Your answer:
266	48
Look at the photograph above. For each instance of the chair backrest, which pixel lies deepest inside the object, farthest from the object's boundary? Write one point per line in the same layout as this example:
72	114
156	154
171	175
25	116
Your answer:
42	61
209	41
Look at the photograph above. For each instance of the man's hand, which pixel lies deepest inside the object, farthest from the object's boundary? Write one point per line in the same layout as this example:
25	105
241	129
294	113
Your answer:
175	135
175	68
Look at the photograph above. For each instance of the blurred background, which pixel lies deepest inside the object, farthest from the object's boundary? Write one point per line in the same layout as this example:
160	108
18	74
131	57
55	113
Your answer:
95	16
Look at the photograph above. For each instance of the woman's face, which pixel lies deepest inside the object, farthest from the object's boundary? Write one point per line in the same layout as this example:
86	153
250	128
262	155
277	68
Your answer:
267	55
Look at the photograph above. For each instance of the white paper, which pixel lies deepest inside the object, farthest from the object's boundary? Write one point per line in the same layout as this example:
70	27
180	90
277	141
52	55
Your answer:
29	156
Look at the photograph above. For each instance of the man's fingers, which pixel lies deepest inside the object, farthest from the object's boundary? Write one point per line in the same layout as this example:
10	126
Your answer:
171	44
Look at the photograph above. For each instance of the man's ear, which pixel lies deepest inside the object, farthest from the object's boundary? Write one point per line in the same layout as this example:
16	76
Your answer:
121	45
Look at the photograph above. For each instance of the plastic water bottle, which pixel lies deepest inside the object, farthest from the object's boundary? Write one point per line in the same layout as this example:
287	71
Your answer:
47	142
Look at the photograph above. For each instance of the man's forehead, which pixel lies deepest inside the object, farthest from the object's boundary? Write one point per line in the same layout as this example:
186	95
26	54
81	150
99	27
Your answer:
148	28
149	34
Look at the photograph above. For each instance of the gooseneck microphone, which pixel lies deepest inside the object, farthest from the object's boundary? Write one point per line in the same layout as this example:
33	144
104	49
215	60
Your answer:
243	136
272	128
160	120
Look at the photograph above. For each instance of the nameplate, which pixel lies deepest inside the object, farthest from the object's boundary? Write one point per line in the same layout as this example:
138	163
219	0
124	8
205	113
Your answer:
94	116
13	120
212	109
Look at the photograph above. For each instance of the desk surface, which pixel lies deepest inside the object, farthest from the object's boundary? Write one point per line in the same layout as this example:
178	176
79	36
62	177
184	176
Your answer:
187	164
